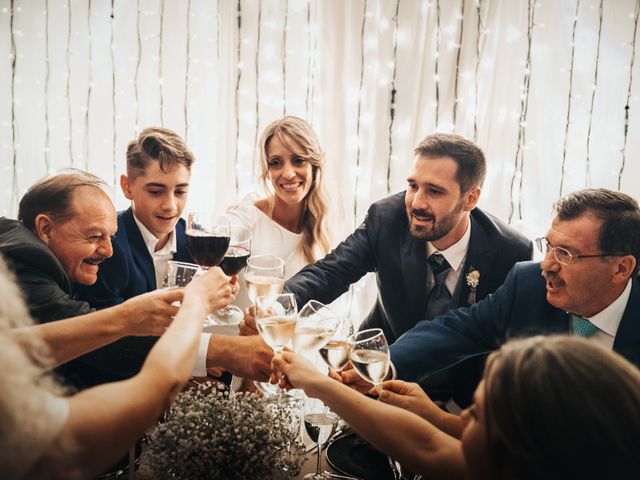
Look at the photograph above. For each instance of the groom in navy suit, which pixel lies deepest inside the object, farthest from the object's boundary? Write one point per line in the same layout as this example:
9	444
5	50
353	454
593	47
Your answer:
430	247
586	284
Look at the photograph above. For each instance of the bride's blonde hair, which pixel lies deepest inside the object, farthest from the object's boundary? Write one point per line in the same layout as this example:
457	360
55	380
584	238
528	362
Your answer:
315	236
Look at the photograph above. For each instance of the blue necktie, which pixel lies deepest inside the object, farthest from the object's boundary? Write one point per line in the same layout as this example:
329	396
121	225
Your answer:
439	297
582	327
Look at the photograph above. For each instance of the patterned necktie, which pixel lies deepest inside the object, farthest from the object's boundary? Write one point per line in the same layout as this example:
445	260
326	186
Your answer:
439	297
582	327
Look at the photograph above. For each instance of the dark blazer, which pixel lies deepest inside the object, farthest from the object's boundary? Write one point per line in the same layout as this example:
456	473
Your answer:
383	244
43	281
518	309
129	272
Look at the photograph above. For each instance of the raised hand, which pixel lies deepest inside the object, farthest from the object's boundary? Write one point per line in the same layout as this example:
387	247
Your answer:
248	323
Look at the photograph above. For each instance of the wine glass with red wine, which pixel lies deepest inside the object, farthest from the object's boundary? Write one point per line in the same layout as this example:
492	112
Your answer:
234	261
208	237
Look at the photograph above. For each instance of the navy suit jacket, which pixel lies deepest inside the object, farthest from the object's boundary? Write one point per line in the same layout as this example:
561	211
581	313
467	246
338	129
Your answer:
128	273
383	244
519	308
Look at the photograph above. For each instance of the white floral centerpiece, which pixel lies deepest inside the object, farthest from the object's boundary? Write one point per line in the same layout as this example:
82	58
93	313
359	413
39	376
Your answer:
209	433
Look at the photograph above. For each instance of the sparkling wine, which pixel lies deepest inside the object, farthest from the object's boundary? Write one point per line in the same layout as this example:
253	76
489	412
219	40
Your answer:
320	426
372	365
262	285
234	260
336	354
311	337
206	249
277	330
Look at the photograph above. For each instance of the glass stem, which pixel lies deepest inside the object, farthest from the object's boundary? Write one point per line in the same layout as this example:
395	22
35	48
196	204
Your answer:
318	459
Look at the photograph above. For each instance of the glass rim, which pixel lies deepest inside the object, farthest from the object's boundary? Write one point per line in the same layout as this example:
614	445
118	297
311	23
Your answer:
378	331
266	255
184	264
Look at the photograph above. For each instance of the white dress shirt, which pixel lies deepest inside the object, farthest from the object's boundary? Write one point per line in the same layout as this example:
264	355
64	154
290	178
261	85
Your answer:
455	255
161	264
608	320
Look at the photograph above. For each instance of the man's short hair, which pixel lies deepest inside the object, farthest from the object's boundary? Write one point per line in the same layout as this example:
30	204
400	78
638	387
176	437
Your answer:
160	145
53	196
619	213
472	166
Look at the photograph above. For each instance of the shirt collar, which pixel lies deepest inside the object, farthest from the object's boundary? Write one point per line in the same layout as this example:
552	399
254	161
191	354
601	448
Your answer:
457	252
608	320
150	240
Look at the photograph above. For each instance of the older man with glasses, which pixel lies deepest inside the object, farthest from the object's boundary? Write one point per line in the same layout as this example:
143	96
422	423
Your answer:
586	285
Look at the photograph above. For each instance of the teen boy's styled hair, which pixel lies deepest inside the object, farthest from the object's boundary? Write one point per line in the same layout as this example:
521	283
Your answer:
157	144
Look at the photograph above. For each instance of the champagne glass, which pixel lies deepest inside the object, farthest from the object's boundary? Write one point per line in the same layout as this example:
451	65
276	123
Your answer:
320	424
264	276
235	259
276	317
208	237
316	325
370	356
335	352
179	274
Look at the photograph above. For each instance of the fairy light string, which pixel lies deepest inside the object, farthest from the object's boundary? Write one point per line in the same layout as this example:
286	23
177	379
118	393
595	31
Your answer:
161	83
392	100
238	78
457	72
284	58
47	145
437	55
15	198
357	181
593	96
187	73
137	75
68	83
479	30
626	107
113	102
257	63
87	135
516	204
569	99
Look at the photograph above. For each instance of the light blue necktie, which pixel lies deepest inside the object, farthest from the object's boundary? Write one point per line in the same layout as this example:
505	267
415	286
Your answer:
582	327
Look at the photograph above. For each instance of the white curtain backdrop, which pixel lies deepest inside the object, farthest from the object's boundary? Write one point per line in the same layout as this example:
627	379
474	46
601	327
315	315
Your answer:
541	86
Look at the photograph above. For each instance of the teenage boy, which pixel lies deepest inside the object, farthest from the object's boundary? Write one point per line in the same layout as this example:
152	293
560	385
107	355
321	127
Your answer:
150	233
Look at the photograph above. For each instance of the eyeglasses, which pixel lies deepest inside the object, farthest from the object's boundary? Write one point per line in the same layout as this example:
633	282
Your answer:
564	256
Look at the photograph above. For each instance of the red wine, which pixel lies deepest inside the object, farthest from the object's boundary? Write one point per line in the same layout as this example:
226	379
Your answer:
234	260
207	250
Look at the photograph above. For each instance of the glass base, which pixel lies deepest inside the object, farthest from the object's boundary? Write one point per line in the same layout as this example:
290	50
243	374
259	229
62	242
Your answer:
228	316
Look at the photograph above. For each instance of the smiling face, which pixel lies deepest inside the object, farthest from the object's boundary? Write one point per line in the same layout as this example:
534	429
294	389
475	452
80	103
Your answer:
291	174
158	198
436	208
588	285
84	240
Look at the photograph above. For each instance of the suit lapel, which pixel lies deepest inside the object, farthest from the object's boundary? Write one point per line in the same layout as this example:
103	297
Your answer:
479	257
139	249
627	341
414	273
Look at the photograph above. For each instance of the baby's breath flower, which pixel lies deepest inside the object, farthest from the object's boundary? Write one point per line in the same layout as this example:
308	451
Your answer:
209	433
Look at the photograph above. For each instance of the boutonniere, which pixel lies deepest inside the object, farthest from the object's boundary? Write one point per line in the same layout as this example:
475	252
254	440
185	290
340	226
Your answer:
473	280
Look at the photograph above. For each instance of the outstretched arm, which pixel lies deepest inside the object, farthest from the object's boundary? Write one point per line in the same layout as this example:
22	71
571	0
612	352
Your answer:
146	315
105	420
402	435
